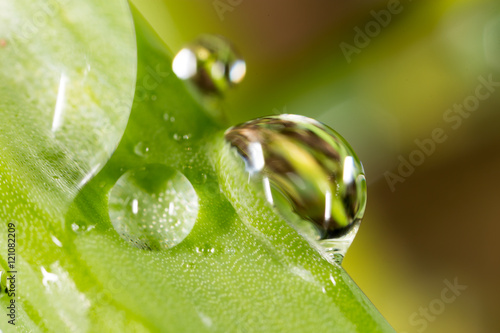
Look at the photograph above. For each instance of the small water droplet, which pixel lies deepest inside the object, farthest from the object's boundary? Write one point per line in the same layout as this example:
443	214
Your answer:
211	63
56	241
309	173
48	277
206	250
81	227
141	149
153	207
188	266
202	178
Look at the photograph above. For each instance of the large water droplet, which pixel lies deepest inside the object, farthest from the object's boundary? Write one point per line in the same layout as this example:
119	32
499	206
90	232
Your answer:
67	88
309	173
153	207
211	63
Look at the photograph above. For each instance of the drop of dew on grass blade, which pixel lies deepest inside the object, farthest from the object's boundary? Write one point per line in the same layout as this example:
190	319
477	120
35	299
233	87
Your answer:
309	173
211	63
153	207
142	149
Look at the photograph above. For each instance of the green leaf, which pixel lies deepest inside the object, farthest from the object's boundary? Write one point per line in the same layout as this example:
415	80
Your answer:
66	91
241	269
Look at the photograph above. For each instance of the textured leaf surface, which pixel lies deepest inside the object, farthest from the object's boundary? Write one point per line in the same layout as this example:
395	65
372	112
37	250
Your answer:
241	269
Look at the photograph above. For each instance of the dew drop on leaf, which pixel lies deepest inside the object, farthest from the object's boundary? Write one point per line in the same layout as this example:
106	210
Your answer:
211	63
153	207
309	173
81	227
142	149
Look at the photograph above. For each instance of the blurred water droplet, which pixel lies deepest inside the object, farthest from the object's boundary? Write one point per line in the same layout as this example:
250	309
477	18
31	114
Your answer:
206	250
211	63
81	227
141	149
168	118
309	173
68	118
48	277
188	266
56	241
202	178
153	207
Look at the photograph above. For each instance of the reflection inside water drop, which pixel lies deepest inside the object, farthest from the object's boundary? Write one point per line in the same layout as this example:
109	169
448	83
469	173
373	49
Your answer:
153	207
309	173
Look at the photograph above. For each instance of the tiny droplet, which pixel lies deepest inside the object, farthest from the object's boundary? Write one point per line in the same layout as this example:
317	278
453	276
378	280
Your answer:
141	149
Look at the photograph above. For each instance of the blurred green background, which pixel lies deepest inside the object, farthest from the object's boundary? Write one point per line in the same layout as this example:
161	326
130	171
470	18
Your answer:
396	85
